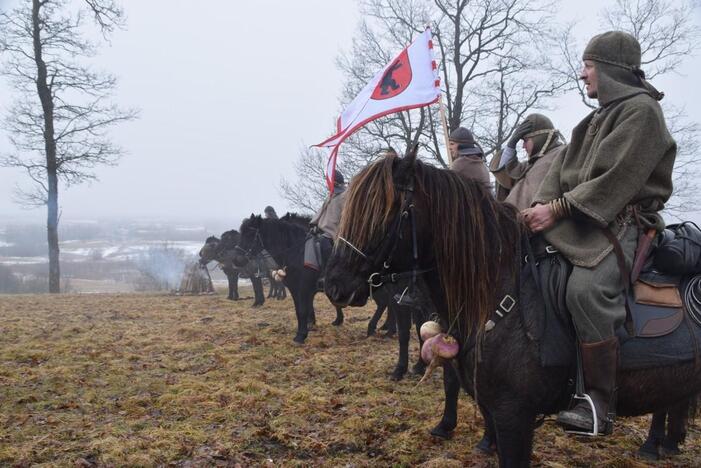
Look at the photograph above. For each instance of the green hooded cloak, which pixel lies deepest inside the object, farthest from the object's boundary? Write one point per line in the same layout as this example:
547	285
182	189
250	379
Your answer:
621	155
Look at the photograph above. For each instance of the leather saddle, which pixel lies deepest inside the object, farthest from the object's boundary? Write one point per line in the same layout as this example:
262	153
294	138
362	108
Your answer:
656	305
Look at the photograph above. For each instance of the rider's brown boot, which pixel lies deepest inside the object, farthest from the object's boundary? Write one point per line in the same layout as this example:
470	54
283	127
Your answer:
600	364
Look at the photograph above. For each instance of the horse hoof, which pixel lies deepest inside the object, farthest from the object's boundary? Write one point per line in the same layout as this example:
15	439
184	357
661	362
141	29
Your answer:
398	374
255	306
486	446
648	452
299	339
419	368
442	432
337	323
669	451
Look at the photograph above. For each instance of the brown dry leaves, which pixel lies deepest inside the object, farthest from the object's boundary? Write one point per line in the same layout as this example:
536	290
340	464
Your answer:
94	380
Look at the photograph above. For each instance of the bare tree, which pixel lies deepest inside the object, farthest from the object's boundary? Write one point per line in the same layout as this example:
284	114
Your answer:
307	193
496	63
61	114
668	35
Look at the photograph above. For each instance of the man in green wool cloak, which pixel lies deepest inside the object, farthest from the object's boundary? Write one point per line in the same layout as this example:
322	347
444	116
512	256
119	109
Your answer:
615	175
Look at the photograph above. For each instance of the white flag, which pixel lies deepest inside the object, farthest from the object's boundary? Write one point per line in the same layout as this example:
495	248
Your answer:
407	82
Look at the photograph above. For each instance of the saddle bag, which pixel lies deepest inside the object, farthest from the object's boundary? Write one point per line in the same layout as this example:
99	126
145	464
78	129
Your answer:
679	249
656	305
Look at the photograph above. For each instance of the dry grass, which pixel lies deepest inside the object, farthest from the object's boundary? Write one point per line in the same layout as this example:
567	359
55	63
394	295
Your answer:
142	380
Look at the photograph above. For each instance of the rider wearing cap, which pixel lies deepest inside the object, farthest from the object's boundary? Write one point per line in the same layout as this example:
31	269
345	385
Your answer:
270	212
613	179
467	156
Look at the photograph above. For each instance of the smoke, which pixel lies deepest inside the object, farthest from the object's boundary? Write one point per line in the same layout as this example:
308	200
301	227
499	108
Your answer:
161	268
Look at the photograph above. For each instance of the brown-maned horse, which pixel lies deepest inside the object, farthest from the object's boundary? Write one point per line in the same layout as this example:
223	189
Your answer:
469	245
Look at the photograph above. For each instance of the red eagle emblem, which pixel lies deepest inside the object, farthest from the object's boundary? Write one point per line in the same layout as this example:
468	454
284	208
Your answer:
395	80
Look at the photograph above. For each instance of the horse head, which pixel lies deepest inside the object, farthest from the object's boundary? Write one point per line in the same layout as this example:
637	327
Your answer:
208	252
379	225
249	243
403	217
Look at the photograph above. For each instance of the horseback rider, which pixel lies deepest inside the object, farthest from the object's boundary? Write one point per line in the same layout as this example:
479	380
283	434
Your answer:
518	181
467	157
324	224
270	212
612	180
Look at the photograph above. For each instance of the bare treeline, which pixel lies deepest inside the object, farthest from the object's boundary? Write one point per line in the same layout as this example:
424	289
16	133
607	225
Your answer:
498	61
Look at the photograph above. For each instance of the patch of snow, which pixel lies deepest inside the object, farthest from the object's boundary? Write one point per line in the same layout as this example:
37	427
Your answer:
23	260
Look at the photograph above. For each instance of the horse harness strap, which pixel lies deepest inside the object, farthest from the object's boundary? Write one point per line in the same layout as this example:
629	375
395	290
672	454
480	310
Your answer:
395	277
378	278
509	301
505	306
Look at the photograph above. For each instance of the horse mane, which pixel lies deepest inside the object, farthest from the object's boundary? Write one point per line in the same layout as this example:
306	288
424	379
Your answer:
280	230
475	237
296	218
230	238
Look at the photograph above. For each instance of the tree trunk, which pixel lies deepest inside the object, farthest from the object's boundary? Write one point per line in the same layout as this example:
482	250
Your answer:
52	235
47	105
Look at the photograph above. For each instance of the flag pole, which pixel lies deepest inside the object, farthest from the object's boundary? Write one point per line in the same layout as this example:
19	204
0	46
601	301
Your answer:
441	108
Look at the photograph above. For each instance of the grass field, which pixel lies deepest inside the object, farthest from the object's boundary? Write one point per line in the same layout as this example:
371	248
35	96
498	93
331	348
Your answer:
143	380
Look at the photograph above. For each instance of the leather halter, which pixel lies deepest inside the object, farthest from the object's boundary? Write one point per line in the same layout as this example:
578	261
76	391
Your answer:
383	274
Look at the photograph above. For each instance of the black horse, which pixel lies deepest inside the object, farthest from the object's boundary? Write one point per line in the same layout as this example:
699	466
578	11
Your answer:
471	244
284	239
223	251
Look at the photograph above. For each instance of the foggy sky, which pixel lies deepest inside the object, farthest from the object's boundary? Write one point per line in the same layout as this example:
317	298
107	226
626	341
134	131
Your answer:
229	91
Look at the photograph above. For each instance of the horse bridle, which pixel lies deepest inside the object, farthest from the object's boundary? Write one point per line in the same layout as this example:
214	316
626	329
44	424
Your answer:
379	278
256	240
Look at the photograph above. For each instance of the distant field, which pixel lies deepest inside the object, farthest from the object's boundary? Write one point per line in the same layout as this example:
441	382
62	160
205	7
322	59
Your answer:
143	380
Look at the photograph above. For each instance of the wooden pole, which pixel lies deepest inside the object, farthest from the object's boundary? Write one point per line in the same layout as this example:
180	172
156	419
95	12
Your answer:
444	121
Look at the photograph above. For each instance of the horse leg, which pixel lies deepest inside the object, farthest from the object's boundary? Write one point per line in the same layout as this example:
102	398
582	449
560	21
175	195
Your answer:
418	319
301	318
676	429
391	322
514	426
451	388
339	317
306	304
655	436
404	319
488	443
271	290
282	294
234	286
372	326
258	292
232	278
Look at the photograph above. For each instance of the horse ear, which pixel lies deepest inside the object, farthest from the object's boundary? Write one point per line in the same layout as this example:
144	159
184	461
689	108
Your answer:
410	158
252	216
